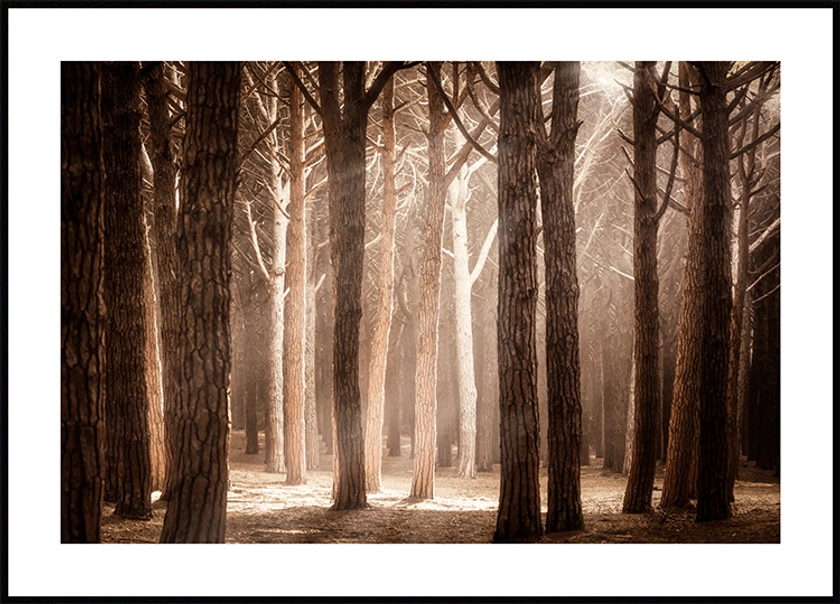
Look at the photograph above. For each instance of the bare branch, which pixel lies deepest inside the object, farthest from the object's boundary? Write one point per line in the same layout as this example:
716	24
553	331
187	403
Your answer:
757	141
485	77
302	87
485	251
259	139
458	122
765	235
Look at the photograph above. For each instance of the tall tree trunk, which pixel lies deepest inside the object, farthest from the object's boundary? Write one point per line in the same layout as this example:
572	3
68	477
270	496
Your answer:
716	306
295	308
646	393
556	159
197	508
345	144
157	445
313	440
382	321
519	517
275	421
423	482
82	310
157	439
458	194
126	268
679	485
167	270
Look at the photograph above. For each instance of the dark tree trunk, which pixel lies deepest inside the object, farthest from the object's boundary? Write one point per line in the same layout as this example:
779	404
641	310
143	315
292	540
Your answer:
764	372
637	497
716	306
126	269
345	144
423	483
679	485
163	162
519	517
197	507
82	320
556	159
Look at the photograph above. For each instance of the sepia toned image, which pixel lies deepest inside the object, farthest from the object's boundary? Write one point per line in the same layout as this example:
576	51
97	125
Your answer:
420	302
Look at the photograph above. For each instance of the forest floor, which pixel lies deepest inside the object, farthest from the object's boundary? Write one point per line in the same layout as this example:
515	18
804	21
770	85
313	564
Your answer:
261	509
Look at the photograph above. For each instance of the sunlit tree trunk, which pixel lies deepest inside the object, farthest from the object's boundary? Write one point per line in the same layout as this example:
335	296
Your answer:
280	187
161	152
157	445
313	440
295	306
423	482
555	165
458	195
126	268
716	306
519	517
197	508
382	322
154	417
82	311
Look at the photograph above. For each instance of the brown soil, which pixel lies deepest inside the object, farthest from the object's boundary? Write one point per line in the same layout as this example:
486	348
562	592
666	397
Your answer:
261	509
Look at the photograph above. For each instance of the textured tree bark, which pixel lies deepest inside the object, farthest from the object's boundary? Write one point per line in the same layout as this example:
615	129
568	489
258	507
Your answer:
679	485
716	306
295	306
82	311
746	168
646	394
157	445
425	410
382	321
196	510
167	270
126	267
519	517
555	164
345	144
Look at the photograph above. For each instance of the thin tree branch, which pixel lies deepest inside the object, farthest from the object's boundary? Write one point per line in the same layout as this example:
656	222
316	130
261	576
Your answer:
302	87
767	232
485	251
457	119
757	141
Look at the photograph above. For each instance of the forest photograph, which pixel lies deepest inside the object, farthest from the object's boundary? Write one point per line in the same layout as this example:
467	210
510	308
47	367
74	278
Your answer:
364	304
